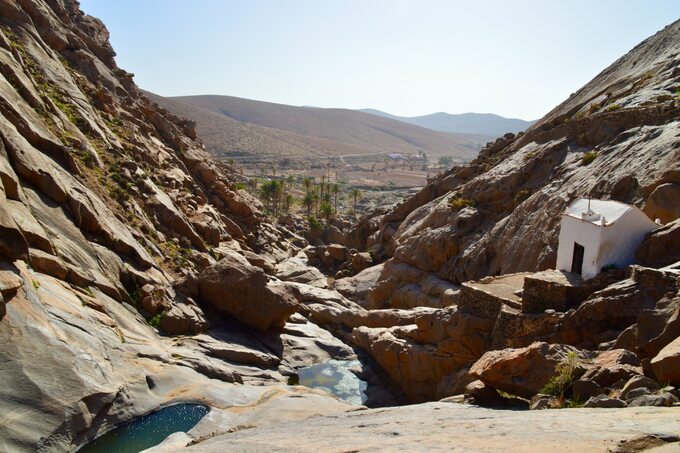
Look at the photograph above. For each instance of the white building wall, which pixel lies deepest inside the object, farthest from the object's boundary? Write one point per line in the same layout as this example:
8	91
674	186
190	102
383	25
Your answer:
621	239
613	244
585	233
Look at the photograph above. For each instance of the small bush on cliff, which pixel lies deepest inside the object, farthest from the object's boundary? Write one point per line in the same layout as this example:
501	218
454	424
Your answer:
522	195
613	107
594	107
154	321
563	378
459	203
588	157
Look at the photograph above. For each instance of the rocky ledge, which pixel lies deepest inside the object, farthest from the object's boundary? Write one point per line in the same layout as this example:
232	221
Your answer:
445	426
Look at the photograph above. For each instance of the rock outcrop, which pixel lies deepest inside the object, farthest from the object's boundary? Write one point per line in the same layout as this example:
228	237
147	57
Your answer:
501	213
242	290
117	232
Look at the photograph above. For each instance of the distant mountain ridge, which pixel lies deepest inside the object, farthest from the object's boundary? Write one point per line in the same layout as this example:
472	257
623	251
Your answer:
488	124
231	126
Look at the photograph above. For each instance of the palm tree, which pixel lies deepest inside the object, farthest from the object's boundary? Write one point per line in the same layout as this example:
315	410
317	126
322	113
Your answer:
356	195
288	202
327	211
336	189
308	202
307	182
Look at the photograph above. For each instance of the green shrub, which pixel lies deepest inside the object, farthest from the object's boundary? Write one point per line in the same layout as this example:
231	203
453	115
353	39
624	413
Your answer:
240	186
588	157
564	376
459	203
613	107
154	321
314	223
594	107
575	403
36	284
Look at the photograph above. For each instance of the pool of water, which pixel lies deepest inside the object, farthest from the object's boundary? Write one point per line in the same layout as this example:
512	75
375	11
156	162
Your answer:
336	378
149	430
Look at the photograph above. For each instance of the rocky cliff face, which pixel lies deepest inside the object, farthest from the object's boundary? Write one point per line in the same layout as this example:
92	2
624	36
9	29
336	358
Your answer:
112	222
616	138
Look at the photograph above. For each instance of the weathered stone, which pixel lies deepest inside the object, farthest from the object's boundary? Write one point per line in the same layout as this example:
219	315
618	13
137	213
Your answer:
666	364
183	319
458	427
610	367
541	401
637	382
337	252
523	372
481	394
47	264
13	244
660	400
240	289
605	402
359	286
661	247
663	204
361	261
635	393
583	389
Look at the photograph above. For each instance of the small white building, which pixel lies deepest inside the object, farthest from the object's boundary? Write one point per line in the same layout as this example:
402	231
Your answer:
599	233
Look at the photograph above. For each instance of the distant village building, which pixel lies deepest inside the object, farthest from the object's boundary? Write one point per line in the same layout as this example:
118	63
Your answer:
599	233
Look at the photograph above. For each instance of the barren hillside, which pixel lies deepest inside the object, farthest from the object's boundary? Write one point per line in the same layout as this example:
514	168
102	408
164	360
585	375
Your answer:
314	131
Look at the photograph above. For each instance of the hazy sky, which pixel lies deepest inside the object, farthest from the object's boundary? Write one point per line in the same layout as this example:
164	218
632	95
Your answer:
407	57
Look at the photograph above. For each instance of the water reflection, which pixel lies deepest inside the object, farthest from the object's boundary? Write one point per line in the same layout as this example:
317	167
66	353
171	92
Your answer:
336	378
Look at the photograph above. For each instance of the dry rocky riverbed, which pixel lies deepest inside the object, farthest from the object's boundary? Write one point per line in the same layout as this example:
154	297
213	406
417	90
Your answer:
445	426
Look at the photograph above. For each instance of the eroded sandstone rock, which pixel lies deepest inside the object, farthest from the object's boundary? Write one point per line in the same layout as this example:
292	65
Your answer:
236	287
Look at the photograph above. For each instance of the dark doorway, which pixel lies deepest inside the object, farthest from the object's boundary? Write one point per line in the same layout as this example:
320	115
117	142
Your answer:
577	259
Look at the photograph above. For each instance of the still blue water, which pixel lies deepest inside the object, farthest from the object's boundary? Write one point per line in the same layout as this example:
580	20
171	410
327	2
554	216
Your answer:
149	430
336	378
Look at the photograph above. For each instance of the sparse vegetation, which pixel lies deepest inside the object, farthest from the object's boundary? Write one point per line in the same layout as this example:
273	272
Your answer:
327	211
613	108
314	223
154	321
564	376
36	284
588	157
356	195
459	203
522	195
594	107
445	161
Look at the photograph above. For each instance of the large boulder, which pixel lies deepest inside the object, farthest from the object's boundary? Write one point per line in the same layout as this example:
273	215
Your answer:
666	364
663	204
661	247
236	287
183	318
613	368
522	372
